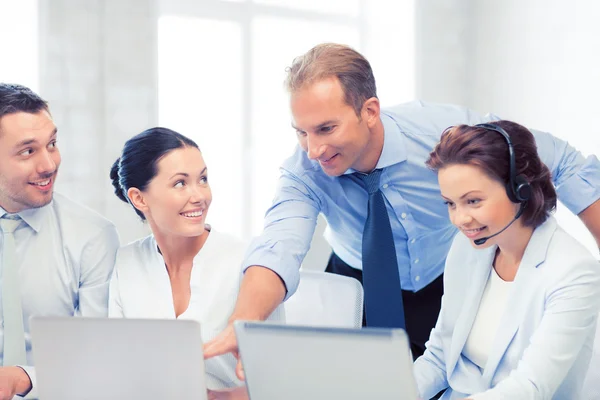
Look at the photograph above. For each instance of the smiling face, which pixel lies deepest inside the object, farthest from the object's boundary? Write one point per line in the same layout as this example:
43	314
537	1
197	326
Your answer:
29	160
477	204
329	130
177	199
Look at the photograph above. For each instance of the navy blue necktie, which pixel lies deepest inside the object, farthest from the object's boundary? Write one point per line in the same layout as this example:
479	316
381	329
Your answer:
381	279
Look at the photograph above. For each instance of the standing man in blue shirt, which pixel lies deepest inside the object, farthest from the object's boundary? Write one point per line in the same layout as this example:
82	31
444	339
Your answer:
355	162
56	256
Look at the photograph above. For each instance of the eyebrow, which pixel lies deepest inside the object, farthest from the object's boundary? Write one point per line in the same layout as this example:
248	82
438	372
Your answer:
316	128
463	196
186	174
27	142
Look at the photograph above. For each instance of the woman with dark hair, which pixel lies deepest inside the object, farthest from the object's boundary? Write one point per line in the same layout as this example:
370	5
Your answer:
183	270
521	296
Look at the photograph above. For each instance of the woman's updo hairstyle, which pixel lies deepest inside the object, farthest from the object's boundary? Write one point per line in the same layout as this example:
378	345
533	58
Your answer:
138	163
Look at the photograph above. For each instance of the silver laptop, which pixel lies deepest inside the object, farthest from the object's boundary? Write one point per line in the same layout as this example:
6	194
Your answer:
117	359
294	363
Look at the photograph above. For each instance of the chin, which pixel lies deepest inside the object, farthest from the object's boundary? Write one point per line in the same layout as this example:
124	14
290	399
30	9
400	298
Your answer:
333	174
335	171
196	231
39	202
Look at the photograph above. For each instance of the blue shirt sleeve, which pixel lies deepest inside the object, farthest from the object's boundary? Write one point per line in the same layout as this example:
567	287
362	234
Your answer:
289	226
577	178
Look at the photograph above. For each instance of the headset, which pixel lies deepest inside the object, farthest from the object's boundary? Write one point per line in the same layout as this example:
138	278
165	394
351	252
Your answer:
517	187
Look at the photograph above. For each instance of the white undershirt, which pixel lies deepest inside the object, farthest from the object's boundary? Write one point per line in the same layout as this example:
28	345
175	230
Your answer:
486	324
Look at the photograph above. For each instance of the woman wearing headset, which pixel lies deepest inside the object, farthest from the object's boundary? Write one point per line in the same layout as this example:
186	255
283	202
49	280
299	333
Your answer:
521	296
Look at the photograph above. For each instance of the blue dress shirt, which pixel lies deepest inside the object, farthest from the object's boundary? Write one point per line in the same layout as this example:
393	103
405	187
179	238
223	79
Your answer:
419	218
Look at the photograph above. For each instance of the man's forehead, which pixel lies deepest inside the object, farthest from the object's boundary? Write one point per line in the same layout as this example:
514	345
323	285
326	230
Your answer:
26	127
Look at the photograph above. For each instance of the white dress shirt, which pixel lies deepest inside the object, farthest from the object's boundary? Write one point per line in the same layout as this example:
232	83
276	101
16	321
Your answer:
486	324
65	255
140	288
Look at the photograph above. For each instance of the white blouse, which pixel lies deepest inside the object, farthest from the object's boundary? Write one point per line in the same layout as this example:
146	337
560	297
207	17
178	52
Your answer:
140	288
486	324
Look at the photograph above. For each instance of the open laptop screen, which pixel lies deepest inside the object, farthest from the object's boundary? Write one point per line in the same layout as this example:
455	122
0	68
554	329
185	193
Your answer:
117	359
294	362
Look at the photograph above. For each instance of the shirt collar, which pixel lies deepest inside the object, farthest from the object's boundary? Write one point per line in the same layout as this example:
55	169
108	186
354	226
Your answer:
394	145
32	217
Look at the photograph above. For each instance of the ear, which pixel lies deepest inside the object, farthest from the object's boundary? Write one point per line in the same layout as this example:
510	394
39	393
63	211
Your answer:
136	197
370	111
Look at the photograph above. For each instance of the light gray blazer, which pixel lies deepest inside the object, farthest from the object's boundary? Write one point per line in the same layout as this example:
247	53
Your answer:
543	346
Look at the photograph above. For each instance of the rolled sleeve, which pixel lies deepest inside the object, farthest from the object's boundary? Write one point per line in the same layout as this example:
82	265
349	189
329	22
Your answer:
581	189
576	178
289	226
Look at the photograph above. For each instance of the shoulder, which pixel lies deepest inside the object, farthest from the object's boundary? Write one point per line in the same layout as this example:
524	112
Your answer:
566	256
419	118
299	163
136	252
224	245
301	174
84	217
220	259
419	110
81	228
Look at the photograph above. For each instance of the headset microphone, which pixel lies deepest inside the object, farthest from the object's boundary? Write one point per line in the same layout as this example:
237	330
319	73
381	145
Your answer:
481	241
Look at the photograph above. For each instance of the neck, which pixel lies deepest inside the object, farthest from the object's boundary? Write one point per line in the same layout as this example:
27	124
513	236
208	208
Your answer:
511	250
372	153
179	251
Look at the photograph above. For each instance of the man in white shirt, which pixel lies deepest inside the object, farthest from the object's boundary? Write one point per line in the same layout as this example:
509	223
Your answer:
60	255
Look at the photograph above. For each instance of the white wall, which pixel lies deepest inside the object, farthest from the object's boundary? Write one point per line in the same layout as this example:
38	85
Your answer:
538	62
98	73
533	61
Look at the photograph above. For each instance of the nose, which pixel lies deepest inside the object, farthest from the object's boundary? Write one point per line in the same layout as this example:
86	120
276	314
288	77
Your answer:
198	193
461	217
47	163
315	148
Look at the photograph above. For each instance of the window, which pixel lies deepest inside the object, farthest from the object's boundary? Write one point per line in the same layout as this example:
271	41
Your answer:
200	96
226	90
19	42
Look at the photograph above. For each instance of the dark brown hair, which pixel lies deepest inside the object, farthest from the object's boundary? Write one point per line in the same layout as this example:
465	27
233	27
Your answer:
17	98
488	150
334	60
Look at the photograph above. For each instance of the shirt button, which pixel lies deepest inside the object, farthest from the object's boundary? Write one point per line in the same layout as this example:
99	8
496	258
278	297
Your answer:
417	278
403	215
417	261
413	240
385	186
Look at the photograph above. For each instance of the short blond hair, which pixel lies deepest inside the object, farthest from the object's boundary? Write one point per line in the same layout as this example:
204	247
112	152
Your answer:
334	60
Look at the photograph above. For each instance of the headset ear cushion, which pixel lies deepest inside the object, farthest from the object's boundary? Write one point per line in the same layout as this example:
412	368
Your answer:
510	192
522	189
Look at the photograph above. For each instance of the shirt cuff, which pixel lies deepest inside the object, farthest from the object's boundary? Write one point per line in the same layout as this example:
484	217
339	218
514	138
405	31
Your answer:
289	276
582	189
32	394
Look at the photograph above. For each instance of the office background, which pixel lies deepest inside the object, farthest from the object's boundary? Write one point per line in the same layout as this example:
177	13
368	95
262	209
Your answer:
214	70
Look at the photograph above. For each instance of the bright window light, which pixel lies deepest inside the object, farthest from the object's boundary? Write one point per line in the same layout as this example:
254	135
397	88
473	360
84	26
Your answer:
19	42
200	96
